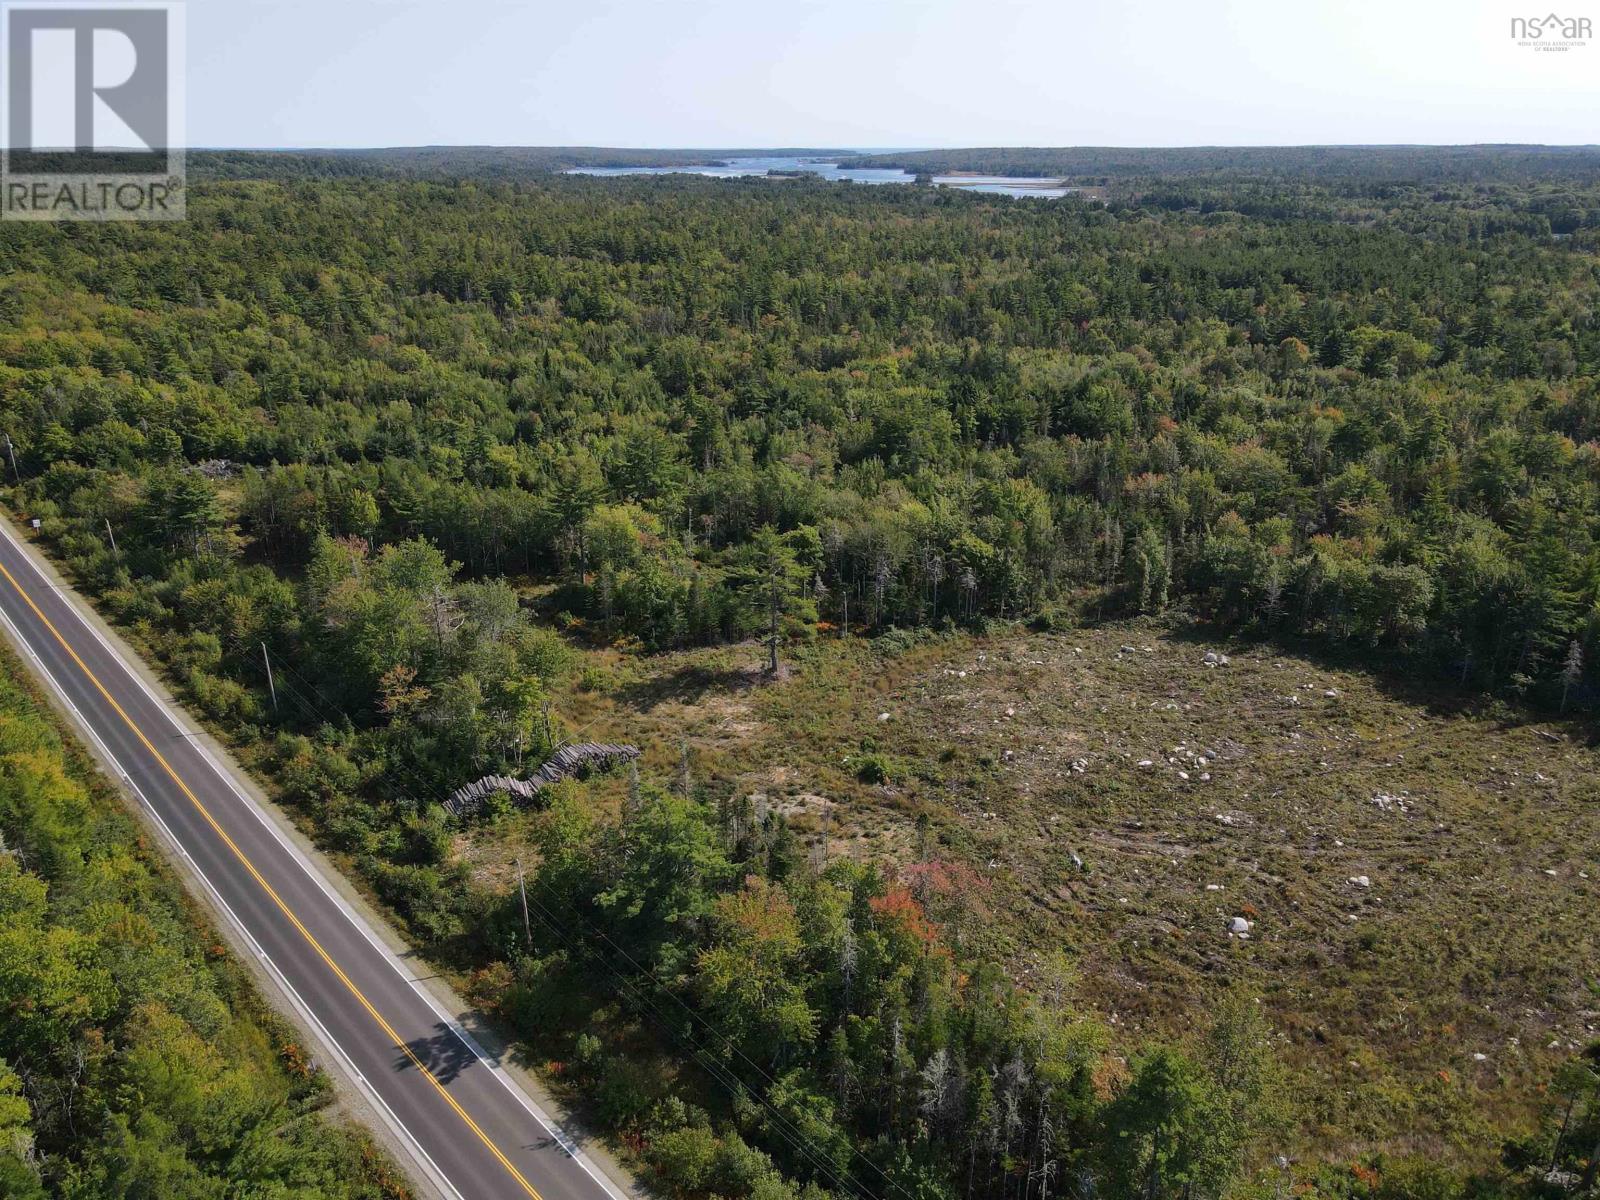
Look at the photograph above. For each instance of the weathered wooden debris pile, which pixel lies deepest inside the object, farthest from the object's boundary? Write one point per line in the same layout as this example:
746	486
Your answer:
580	760
470	798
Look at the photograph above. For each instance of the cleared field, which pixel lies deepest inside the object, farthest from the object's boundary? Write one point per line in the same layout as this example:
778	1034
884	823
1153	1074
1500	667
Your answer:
1421	877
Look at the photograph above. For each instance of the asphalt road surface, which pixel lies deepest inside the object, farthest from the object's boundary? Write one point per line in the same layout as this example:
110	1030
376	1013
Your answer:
471	1131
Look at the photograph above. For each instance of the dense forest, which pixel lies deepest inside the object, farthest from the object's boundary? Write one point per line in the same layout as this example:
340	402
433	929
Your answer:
1377	431
1334	166
1288	168
453	162
135	1058
414	438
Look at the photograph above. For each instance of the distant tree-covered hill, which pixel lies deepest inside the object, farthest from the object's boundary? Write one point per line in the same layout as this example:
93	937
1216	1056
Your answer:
449	161
1343	164
1339	166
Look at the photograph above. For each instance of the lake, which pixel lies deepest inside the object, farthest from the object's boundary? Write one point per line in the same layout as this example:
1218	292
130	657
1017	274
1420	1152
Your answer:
829	169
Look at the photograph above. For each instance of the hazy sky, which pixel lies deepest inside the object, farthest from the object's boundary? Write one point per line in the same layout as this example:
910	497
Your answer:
889	73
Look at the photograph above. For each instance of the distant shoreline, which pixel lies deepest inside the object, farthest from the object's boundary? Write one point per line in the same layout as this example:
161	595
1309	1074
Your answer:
1019	181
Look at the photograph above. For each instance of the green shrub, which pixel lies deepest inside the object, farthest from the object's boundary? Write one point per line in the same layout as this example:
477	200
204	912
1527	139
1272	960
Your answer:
588	1053
879	768
739	1167
625	1092
1418	1179
684	1158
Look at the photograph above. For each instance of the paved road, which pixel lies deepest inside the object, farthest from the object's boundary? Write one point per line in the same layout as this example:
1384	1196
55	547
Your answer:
470	1129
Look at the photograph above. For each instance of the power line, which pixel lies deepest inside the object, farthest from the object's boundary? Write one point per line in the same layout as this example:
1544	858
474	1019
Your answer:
784	1127
779	1123
705	1057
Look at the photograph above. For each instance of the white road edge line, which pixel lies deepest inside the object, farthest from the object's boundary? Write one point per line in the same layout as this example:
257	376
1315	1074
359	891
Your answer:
70	598
397	1127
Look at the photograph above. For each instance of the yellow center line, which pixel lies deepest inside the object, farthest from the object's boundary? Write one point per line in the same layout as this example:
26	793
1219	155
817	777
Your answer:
276	899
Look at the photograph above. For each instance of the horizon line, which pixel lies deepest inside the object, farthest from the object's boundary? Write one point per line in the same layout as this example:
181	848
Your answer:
824	149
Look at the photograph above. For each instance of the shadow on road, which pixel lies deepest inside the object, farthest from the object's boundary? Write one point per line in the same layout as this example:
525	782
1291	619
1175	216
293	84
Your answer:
446	1056
442	1052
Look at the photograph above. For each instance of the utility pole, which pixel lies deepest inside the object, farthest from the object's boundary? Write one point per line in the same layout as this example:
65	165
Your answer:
522	887
271	687
111	535
12	450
